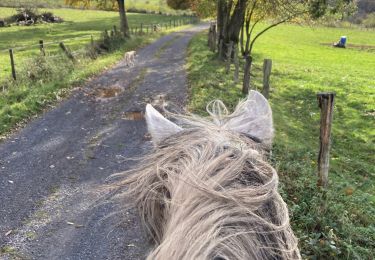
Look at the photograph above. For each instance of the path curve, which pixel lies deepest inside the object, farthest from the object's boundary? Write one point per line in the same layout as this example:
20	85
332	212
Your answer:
52	204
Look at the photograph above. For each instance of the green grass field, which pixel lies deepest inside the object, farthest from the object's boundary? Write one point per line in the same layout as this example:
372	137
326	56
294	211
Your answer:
78	24
340	222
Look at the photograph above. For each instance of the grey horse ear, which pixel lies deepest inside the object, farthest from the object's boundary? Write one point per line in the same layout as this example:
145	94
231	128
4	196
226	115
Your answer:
253	116
158	126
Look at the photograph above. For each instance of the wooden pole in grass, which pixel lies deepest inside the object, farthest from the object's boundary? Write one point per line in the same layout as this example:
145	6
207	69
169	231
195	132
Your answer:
14	76
267	67
41	47
326	102
229	56
66	51
141	28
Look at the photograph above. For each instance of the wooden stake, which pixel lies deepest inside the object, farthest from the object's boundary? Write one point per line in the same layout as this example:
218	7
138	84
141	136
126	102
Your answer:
66	51
326	102
92	42
12	64
41	47
267	67
229	56
221	42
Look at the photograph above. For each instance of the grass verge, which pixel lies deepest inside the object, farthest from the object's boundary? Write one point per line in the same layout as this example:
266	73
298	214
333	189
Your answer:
338	223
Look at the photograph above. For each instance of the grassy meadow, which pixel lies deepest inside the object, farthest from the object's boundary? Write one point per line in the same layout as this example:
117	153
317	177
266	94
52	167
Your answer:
338	223
76	30
54	76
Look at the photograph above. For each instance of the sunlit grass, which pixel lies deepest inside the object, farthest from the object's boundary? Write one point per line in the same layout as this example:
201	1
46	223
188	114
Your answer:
78	23
302	67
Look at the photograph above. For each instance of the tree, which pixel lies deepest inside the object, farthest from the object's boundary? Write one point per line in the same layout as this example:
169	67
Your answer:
276	12
273	13
118	4
179	4
237	19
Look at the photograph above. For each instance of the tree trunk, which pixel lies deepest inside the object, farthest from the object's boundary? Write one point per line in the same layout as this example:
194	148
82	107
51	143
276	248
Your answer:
124	25
235	23
246	77
221	20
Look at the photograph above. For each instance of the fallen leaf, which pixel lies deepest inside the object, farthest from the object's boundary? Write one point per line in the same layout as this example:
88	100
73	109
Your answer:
349	191
8	233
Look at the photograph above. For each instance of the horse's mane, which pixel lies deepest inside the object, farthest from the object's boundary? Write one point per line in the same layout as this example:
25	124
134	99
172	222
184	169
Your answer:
209	193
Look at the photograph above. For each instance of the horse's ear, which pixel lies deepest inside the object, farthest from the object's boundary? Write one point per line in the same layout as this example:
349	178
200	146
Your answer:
158	126
253	117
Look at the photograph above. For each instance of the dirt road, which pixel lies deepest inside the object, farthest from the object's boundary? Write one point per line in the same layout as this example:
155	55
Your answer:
52	201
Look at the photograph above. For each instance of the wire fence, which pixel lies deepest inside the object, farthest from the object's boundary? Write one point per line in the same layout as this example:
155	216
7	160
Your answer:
72	47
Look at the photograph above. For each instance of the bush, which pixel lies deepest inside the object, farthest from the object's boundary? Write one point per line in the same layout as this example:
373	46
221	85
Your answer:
45	68
25	15
29	16
49	17
369	21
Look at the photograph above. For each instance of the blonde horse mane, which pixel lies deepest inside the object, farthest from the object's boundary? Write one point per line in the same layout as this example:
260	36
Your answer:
207	192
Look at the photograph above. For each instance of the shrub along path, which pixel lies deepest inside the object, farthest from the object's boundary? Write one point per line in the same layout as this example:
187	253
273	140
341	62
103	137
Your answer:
53	202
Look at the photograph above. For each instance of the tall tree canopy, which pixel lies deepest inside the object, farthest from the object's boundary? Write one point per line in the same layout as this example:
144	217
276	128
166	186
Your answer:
119	4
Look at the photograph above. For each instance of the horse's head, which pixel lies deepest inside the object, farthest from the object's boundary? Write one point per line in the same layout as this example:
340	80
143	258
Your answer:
207	192
252	117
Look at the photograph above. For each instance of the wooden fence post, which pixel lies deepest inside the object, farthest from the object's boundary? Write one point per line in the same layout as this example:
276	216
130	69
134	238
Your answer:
115	30
220	46
12	64
267	67
229	56
141	28
41	47
326	102
66	51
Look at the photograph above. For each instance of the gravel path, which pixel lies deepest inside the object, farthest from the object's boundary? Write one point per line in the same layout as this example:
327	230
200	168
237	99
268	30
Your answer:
53	202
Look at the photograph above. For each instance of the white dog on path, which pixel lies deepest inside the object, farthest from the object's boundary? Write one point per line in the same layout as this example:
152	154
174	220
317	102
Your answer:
130	58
